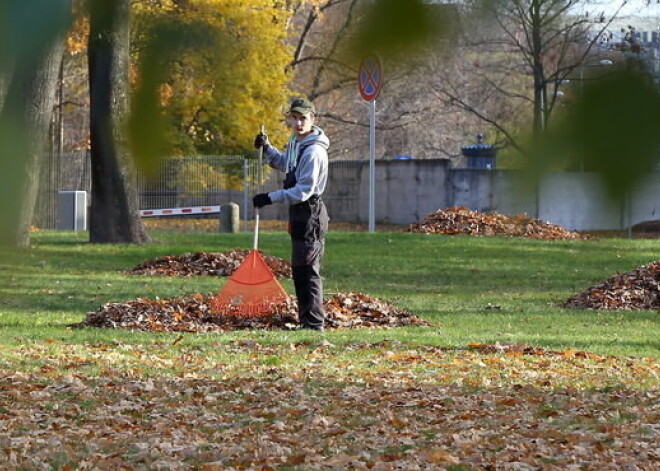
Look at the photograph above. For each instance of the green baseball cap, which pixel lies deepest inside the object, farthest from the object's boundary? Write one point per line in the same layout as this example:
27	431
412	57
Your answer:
302	105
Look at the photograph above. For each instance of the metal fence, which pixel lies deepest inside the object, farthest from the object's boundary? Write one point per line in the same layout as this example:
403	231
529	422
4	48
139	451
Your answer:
204	180
176	182
60	172
194	181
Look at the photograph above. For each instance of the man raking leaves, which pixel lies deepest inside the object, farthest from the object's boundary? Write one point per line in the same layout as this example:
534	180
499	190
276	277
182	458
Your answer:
305	163
253	290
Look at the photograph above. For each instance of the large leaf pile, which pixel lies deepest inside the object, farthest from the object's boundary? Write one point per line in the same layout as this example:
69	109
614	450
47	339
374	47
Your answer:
634	290
461	220
207	263
193	314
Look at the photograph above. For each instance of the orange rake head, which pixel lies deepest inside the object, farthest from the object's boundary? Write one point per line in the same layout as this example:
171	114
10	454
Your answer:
251	291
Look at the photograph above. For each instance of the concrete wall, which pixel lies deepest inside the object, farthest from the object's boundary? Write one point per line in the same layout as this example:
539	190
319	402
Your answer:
408	190
493	191
644	205
578	201
406	193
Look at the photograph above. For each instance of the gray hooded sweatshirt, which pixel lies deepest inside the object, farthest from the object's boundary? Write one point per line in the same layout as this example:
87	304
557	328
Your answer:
311	166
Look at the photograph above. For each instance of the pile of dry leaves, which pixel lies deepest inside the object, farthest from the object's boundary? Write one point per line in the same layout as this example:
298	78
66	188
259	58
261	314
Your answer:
193	314
461	220
634	290
207	263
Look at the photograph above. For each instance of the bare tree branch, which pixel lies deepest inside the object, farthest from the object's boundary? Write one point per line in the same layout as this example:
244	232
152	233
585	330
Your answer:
459	102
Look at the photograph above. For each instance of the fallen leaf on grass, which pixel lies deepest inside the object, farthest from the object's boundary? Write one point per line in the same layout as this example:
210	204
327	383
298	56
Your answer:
437	456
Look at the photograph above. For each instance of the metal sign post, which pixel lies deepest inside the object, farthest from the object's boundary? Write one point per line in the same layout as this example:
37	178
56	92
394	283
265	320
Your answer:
370	81
372	167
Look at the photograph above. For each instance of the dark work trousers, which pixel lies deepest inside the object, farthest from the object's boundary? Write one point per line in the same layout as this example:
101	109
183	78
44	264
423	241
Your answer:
308	224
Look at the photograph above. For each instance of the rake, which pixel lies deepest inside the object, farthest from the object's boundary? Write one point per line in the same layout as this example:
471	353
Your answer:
252	290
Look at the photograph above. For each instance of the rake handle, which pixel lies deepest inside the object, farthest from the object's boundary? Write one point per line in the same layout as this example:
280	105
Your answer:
256	210
256	228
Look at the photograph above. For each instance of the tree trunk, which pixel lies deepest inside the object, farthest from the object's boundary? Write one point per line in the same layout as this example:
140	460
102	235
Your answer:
114	206
26	114
536	28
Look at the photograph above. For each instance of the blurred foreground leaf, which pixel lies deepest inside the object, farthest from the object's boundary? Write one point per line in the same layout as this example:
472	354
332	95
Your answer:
615	128
165	40
27	26
28	32
12	176
391	27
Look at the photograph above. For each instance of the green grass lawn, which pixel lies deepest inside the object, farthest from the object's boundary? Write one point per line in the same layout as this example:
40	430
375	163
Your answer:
504	375
474	289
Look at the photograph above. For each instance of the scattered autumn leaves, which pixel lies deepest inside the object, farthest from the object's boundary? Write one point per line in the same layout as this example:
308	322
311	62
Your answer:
380	406
178	404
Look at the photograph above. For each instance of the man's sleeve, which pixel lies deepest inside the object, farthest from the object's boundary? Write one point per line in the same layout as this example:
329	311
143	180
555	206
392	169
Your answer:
276	159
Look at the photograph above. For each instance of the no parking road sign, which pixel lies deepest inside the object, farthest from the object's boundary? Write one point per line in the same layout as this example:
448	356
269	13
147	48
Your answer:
370	81
370	77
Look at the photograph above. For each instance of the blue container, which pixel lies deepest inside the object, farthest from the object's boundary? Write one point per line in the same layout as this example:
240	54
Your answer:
480	156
